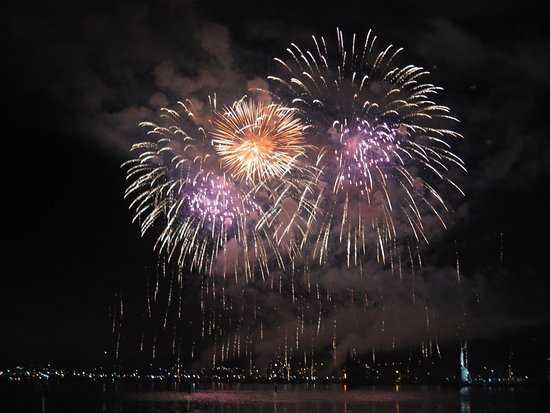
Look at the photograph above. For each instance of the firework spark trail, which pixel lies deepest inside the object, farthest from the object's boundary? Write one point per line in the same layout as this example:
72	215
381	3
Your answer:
285	319
380	142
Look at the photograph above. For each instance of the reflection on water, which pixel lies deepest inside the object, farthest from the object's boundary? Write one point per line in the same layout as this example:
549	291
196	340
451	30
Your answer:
465	400
161	398
287	399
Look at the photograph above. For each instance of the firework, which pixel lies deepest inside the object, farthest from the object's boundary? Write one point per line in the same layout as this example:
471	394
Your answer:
382	143
258	141
223	187
176	184
254	184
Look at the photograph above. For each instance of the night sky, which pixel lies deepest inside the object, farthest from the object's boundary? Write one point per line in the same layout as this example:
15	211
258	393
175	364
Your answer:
80	75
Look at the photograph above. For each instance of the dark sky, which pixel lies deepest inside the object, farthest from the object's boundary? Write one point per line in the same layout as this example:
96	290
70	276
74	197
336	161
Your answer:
80	75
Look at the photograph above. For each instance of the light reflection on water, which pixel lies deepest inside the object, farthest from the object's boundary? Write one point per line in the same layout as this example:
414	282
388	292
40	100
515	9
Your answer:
294	399
298	399
162	398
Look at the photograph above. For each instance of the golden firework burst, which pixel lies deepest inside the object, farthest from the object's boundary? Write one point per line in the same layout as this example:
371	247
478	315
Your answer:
258	141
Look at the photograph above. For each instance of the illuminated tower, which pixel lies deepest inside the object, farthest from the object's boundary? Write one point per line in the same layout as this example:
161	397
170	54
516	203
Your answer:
465	378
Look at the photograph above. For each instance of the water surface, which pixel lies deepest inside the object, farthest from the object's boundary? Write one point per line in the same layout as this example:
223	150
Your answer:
92	397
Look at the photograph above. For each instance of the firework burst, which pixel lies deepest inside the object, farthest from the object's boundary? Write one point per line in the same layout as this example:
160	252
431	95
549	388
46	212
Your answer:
176	184
258	142
382	142
224	189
